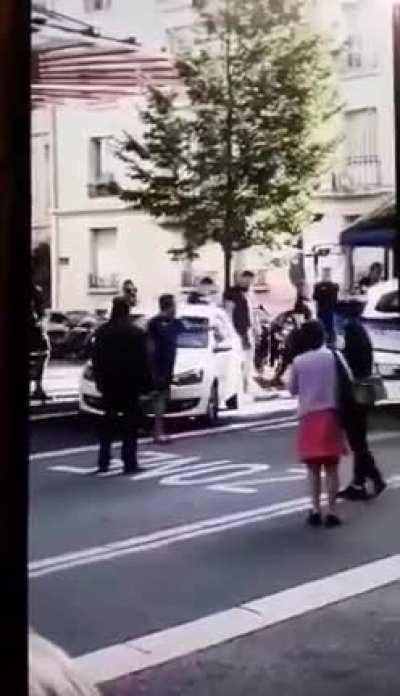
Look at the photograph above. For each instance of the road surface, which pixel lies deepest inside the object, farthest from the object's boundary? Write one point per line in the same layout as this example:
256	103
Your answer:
214	521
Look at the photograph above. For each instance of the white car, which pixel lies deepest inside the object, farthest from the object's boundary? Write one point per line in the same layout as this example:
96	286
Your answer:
381	318
207	374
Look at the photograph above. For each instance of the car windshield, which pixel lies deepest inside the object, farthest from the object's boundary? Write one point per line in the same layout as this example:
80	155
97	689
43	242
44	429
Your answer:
57	318
196	333
389	303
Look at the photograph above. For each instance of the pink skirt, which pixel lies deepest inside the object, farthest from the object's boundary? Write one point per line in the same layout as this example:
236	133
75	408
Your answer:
320	435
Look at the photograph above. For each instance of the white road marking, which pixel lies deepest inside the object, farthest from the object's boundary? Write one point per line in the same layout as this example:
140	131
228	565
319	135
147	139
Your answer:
37	456
163	537
247	489
172	535
149	459
193	476
173	465
158	648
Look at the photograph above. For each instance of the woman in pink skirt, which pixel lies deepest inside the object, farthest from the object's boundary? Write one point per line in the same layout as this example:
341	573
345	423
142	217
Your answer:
320	439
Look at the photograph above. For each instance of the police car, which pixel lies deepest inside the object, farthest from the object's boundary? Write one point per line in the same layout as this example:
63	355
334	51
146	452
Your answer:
381	318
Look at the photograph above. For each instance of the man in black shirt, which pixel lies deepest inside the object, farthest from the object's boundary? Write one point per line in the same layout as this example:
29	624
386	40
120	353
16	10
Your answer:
163	332
122	374
358	353
326	297
129	293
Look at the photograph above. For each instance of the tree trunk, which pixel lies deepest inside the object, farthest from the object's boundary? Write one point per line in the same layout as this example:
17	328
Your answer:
227	267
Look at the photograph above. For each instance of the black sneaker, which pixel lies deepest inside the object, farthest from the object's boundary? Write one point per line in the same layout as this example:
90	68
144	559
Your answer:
332	521
353	493
130	471
100	470
314	519
379	487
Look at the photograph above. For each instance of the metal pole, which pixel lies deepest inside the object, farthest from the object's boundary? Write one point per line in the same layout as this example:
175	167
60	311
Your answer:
396	80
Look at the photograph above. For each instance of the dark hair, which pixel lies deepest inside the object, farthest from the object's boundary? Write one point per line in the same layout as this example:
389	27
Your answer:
166	301
358	349
247	274
312	335
207	281
126	283
194	298
120	309
376	266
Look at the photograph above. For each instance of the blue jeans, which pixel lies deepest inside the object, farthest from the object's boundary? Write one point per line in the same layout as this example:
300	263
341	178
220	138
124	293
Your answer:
327	319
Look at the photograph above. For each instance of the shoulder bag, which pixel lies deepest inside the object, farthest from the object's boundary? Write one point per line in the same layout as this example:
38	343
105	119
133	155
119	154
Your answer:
369	390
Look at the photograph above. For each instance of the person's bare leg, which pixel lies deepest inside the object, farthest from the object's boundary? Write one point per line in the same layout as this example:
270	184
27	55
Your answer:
314	480
332	485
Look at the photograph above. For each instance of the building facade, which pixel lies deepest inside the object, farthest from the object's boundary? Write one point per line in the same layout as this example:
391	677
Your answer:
362	173
97	242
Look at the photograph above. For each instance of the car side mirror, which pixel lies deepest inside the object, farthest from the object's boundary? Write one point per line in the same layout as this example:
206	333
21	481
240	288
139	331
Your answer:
222	348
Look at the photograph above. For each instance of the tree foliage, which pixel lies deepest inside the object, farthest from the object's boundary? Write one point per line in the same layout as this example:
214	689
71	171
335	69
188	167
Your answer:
236	157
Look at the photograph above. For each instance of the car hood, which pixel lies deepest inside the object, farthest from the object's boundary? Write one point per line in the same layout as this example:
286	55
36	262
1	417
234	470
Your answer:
190	359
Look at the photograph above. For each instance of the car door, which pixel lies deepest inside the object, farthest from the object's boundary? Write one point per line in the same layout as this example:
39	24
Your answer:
224	357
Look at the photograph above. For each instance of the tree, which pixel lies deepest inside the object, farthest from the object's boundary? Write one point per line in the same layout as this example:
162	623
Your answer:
236	160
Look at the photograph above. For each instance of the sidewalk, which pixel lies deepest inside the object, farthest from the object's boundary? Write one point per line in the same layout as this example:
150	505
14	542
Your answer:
344	649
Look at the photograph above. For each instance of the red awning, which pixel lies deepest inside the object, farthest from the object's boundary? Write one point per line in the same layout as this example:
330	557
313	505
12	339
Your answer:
96	74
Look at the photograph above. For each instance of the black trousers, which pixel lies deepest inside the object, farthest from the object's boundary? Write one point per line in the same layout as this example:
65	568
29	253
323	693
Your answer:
356	427
112	424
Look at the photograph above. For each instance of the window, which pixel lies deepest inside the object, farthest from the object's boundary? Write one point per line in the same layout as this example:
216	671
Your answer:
196	334
358	56
101	159
104	262
101	162
95	5
362	166
389	303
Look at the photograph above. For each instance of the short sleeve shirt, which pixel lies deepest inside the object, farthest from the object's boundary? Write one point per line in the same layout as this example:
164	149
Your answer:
164	334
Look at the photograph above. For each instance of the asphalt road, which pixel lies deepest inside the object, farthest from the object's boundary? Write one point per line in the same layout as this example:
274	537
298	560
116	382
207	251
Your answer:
215	520
350	648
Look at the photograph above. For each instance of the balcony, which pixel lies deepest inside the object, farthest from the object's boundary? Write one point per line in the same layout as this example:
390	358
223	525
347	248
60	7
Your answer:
103	187
103	284
359	176
355	63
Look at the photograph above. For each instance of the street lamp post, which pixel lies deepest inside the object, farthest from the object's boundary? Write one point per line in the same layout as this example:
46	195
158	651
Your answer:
396	80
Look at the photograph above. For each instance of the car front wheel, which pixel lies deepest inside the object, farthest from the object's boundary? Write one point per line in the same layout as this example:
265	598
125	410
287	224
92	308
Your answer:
211	416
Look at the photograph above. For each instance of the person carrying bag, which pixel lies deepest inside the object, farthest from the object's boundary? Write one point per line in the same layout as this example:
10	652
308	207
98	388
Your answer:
358	392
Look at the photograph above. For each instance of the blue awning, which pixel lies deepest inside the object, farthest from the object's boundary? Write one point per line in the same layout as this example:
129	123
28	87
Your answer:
377	229
357	236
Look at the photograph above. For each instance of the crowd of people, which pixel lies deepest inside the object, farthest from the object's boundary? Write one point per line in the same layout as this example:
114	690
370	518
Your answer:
129	364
